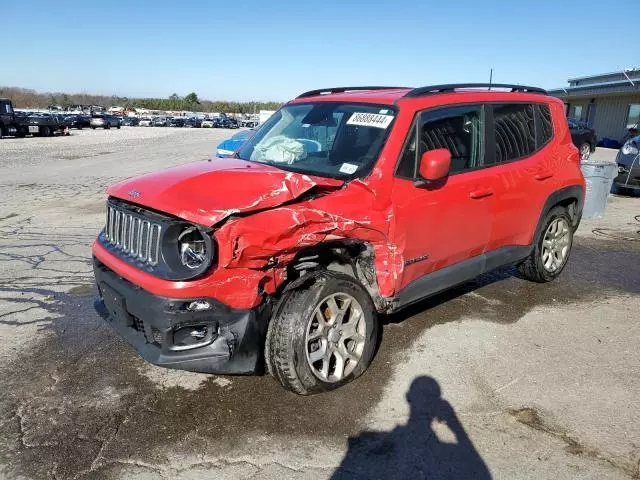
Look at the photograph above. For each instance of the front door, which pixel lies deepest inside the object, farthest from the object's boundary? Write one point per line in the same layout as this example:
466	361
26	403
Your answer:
444	224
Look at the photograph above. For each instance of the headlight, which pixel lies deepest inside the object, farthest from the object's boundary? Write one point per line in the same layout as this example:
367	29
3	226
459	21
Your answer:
187	251
630	148
192	248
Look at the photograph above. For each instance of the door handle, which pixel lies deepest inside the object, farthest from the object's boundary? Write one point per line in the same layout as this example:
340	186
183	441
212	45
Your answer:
482	193
543	175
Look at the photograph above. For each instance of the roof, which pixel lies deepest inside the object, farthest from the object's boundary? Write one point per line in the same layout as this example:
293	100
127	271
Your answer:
384	97
619	87
390	95
608	74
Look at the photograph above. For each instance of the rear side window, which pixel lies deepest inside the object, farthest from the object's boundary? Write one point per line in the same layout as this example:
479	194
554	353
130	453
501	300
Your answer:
544	125
515	132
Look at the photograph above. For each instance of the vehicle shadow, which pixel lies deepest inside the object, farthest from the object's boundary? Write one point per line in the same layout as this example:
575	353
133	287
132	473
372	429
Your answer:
414	450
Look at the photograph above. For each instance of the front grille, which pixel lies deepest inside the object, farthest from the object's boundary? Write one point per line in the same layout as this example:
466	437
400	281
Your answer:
133	235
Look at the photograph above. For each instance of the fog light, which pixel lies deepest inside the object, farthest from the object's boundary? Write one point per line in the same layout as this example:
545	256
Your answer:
198	306
198	333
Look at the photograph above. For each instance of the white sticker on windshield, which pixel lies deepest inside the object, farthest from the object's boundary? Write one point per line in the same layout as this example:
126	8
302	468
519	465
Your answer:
370	120
348	168
384	111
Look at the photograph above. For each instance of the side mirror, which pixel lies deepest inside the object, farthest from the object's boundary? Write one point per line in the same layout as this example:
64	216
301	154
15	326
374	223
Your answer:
434	166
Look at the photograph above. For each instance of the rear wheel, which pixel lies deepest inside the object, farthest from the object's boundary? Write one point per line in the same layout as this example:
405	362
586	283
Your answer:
552	249
44	131
585	151
322	335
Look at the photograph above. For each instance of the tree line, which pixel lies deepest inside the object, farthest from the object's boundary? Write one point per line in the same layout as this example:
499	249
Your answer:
27	98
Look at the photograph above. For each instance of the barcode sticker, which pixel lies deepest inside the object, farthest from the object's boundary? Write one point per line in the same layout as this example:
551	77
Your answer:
348	168
370	120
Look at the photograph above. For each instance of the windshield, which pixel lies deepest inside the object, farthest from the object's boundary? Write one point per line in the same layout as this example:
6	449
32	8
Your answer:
341	140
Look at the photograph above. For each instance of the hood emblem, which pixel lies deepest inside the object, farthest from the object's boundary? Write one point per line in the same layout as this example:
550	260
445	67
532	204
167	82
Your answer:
134	193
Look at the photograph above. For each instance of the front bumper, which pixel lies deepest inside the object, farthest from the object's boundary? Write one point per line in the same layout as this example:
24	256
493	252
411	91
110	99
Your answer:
162	330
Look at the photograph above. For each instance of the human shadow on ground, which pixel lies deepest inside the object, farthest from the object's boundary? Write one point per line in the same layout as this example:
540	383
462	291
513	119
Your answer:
414	451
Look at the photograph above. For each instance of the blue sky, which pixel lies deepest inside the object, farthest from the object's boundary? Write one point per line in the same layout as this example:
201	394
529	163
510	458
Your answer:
259	50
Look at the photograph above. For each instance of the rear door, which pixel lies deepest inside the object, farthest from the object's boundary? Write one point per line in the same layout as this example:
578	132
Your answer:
449	222
521	140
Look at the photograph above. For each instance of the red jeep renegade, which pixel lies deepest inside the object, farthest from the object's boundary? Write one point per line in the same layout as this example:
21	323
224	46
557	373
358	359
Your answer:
346	204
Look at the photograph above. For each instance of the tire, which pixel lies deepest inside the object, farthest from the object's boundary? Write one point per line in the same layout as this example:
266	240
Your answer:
118	127
538	267
44	132
93	128
288	351
585	151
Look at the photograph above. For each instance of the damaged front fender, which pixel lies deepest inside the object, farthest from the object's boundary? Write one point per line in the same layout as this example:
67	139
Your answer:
269	240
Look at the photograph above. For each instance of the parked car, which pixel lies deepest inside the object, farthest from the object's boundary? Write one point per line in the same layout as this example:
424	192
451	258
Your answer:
193	123
99	120
226	122
176	122
230	145
353	203
78	121
130	121
160	122
208	123
145	122
628	160
583	137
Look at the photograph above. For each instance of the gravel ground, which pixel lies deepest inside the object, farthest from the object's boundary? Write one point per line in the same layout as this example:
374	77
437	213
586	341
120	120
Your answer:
531	381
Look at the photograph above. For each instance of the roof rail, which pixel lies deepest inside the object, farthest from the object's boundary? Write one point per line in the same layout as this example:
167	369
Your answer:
325	91
448	88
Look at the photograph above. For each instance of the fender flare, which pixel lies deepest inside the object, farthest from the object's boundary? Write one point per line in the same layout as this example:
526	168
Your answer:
571	193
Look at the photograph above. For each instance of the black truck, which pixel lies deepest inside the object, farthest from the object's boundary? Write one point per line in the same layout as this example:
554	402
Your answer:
9	125
20	124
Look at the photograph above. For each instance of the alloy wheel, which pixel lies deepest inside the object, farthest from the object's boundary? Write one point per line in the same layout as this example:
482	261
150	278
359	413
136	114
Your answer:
585	152
335	337
556	245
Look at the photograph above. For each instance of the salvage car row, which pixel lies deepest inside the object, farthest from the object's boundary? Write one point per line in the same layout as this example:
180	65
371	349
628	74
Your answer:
20	123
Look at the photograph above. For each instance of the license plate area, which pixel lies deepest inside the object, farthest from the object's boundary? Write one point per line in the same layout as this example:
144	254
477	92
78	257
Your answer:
34	129
115	304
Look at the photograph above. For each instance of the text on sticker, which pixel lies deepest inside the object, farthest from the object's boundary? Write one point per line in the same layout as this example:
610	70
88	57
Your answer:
348	168
370	120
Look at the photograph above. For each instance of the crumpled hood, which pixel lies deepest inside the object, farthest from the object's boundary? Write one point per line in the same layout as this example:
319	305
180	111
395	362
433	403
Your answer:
206	192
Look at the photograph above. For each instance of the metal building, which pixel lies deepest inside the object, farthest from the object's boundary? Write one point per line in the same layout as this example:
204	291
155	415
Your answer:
608	102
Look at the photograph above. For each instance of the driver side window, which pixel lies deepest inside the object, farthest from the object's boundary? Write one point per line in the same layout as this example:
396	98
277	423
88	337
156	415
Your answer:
459	129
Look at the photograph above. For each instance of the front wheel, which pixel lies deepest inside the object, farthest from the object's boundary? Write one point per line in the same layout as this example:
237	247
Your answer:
322	335
552	248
